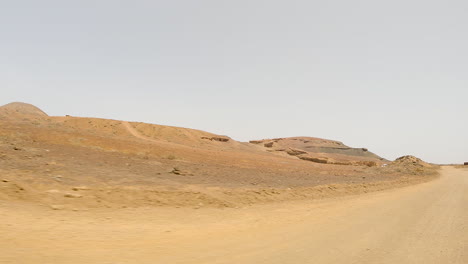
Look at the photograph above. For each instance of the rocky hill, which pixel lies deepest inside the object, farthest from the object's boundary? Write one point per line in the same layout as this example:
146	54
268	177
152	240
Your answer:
321	151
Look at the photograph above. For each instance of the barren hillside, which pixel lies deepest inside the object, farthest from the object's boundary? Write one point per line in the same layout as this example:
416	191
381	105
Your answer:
68	162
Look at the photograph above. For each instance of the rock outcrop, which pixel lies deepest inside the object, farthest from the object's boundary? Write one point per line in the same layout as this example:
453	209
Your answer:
220	139
321	151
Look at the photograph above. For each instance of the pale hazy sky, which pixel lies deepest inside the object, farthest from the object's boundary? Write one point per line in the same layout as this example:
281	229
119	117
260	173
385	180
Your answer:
391	76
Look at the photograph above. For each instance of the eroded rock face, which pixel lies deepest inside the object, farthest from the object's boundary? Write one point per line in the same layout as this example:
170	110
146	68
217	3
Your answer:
295	152
220	139
313	159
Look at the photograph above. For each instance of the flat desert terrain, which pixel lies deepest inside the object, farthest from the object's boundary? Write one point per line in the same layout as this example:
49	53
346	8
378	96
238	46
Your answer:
424	223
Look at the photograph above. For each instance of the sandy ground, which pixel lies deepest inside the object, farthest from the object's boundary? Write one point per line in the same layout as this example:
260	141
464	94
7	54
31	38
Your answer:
425	223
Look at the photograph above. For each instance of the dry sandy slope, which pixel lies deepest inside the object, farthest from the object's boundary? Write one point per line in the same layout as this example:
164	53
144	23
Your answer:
72	162
424	223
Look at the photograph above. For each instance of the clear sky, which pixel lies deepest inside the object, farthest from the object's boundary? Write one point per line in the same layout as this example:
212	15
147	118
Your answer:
391	76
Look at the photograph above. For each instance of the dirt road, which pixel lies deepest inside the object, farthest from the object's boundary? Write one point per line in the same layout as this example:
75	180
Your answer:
426	223
135	133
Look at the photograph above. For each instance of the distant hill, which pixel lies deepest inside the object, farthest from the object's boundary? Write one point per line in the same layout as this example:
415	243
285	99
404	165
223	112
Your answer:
320	150
21	110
